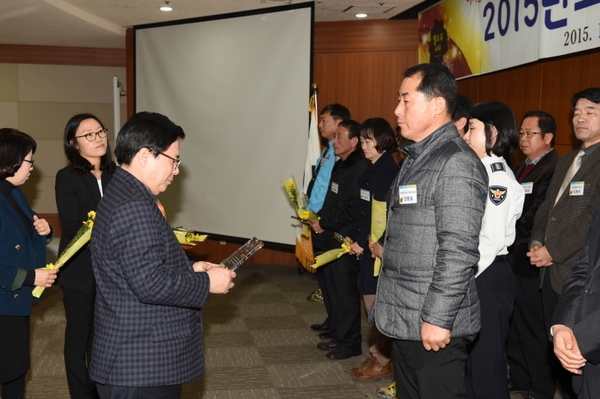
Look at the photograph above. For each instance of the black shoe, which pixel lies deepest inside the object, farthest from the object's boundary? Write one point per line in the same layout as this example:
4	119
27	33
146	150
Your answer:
320	327
326	335
328	346
341	353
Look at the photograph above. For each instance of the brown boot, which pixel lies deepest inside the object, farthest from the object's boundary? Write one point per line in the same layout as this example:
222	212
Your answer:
367	363
374	371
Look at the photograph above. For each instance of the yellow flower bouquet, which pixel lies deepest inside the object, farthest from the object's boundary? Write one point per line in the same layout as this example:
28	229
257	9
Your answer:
378	222
333	254
297	200
188	237
81	238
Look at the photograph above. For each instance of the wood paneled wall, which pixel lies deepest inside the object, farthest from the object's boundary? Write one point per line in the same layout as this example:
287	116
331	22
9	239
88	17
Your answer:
360	64
546	85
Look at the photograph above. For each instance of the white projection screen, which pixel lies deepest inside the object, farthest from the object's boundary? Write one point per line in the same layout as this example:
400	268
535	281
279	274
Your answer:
239	86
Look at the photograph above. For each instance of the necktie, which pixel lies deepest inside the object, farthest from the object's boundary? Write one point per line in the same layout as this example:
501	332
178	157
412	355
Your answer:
526	171
570	173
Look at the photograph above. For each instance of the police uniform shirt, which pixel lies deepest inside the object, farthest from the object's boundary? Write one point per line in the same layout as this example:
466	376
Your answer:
503	207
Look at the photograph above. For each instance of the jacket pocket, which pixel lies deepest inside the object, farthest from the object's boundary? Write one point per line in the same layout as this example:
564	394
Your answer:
170	331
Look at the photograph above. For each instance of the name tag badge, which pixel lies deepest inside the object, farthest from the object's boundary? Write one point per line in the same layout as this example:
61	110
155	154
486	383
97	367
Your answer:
576	188
407	194
365	195
528	187
334	187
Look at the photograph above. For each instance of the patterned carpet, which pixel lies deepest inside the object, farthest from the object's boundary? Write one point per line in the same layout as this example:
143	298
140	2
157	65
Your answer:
257	339
258	344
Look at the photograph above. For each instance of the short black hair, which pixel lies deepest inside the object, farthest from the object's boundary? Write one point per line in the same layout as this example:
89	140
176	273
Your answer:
546	122
436	81
591	93
14	147
462	110
148	130
352	126
337	111
80	164
498	115
353	131
380	131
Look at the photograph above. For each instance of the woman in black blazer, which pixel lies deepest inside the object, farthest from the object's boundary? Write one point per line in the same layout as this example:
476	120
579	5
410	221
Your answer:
23	238
79	187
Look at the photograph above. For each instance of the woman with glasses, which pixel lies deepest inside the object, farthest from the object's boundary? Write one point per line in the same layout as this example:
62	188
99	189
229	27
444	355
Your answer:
79	187
23	238
493	135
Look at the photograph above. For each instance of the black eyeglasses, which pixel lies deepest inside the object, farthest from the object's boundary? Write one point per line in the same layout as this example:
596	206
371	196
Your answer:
92	136
31	161
176	161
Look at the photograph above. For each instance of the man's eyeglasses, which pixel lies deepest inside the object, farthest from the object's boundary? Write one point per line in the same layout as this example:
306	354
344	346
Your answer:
176	161
528	133
92	136
31	161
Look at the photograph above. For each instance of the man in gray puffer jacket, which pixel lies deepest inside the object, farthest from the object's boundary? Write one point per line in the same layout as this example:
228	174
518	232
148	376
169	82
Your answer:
426	298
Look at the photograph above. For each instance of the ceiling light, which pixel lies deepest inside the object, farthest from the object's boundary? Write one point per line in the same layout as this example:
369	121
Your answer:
166	7
361	15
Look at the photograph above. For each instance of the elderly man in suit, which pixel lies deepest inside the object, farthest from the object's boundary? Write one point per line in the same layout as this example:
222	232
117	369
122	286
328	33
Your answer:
563	220
148	324
528	350
426	296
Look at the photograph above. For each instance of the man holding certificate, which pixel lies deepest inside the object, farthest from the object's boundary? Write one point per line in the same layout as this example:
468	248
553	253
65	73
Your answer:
148	323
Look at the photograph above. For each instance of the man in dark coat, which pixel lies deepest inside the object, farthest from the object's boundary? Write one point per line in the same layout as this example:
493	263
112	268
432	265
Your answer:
563	220
528	351
340	210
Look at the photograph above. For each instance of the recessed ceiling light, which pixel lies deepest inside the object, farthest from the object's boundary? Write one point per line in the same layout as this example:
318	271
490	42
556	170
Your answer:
166	7
361	15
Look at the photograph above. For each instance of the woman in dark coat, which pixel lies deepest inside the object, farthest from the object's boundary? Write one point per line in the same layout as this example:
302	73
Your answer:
23	238
378	143
79	187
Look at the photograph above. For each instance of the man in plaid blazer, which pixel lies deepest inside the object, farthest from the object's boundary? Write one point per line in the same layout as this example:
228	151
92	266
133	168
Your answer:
148	323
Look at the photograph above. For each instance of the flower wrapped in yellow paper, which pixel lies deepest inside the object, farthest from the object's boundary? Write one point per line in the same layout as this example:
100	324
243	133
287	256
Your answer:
333	254
188	237
81	238
378	223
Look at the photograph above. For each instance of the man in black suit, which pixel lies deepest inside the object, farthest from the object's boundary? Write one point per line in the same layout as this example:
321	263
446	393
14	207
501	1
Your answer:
528	351
563	220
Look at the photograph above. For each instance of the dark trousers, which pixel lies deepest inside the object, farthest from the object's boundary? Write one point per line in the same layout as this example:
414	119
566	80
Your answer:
529	352
486	366
117	392
79	312
341	280
422	374
549	301
14	389
323	287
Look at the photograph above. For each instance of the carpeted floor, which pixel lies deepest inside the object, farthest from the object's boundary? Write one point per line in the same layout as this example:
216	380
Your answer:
257	339
257	344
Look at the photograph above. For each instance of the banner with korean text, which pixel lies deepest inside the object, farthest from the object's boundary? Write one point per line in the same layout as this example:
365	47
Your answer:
474	37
